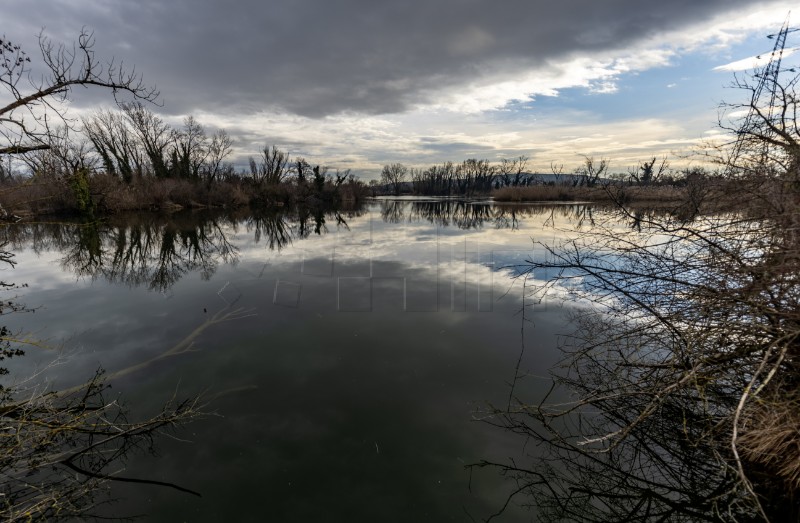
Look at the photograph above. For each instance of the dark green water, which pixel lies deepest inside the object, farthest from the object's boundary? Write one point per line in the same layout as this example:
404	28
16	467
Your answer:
351	387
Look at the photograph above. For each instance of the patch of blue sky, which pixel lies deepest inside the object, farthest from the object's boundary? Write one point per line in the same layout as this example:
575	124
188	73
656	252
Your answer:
689	85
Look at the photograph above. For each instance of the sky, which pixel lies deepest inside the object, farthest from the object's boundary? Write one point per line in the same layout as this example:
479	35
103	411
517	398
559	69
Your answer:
361	83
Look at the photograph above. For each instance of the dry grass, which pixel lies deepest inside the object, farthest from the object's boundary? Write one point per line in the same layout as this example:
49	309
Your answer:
109	195
37	196
770	439
564	193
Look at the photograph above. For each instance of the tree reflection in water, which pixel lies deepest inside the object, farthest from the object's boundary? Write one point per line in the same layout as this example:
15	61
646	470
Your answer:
158	250
661	400
151	250
663	474
467	215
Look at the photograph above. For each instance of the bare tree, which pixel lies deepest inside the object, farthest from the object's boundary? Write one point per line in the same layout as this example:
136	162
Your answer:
474	175
190	150
394	174
591	171
155	135
764	131
26	122
63	158
340	177
558	172
116	143
7	169
436	180
302	169
271	168
74	154
220	147
320	176
510	170
648	172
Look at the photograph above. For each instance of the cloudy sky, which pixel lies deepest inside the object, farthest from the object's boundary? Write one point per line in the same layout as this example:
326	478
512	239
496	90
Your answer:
360	83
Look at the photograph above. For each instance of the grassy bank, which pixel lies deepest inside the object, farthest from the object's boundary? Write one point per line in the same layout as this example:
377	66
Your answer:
102	194
612	194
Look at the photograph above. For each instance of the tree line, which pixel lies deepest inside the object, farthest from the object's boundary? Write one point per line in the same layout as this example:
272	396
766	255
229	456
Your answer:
133	143
481	176
472	176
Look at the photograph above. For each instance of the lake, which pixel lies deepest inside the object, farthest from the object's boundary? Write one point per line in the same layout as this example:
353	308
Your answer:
350	383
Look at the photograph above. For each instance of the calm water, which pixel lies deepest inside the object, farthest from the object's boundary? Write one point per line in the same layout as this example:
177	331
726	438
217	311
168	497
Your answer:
349	387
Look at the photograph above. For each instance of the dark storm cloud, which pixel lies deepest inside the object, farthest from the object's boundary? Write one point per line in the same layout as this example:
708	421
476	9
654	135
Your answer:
323	57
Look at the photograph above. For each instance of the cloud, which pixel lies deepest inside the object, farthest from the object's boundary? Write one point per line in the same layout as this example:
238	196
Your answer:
359	83
754	62
318	58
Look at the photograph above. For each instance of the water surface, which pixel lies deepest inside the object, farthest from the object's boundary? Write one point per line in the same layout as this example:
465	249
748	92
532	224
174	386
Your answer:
349	386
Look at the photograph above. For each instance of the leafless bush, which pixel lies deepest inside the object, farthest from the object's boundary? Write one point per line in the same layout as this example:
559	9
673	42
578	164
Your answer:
60	451
688	325
677	396
609	194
